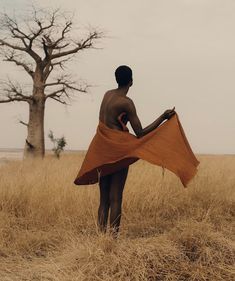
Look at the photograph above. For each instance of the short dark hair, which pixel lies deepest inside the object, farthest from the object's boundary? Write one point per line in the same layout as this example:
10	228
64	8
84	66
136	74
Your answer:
123	75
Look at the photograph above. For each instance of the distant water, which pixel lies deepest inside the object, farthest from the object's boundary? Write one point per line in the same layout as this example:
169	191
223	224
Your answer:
7	154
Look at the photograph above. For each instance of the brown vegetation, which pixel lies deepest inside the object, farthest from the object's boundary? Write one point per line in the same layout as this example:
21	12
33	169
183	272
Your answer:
48	225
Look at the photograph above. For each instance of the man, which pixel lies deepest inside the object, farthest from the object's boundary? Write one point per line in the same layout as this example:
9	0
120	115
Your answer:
115	111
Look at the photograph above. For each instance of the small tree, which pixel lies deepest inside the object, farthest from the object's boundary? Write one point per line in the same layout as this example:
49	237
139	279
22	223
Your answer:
59	144
40	45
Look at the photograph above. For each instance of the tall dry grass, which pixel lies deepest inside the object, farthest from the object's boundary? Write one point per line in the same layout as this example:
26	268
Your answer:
48	225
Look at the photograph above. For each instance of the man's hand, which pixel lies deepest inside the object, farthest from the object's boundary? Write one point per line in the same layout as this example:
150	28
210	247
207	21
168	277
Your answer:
169	113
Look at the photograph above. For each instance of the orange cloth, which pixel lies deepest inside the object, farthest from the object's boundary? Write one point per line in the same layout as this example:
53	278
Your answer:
112	150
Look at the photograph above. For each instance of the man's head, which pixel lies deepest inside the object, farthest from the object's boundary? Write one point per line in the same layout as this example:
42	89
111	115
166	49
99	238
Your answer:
123	76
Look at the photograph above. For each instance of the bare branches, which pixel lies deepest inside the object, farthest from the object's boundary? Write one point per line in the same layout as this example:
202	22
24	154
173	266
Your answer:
62	88
46	39
39	23
47	43
83	44
12	46
66	29
10	100
51	65
13	92
26	37
12	57
23	123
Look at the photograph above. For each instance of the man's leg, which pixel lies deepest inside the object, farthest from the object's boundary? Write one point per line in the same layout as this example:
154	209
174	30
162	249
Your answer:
117	184
103	210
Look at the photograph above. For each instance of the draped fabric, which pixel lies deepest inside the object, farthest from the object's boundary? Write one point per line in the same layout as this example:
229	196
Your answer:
112	150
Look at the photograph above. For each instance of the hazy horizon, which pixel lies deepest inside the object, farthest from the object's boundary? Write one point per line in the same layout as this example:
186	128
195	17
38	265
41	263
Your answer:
181	52
12	149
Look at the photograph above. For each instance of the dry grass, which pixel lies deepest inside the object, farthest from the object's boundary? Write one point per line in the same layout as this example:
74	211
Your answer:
48	225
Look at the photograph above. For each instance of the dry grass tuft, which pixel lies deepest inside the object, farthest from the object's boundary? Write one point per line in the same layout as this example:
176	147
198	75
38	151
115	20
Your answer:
48	225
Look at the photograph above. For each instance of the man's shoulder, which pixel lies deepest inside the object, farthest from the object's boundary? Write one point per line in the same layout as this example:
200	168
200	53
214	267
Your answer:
122	101
128	101
107	92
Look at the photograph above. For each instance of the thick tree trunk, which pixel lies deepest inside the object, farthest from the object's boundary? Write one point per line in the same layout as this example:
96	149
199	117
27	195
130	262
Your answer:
35	144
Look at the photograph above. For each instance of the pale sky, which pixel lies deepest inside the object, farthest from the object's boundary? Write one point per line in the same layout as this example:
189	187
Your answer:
182	53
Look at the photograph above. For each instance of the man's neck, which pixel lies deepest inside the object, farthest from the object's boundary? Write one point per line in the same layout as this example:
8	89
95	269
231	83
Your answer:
123	90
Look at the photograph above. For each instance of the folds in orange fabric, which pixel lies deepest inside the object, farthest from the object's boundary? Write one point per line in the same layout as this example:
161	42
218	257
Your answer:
112	150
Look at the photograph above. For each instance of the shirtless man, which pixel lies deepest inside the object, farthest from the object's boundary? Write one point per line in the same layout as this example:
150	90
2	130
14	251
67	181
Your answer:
116	103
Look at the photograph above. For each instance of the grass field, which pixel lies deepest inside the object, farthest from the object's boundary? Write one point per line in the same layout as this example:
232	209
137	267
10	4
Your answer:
48	225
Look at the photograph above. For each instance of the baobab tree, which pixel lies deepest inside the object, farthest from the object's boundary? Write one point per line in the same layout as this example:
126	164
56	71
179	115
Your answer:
41	46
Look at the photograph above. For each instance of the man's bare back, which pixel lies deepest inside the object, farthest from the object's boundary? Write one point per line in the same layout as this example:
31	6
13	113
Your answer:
114	103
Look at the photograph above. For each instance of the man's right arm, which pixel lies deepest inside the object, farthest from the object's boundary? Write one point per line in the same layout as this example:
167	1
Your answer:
136	124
